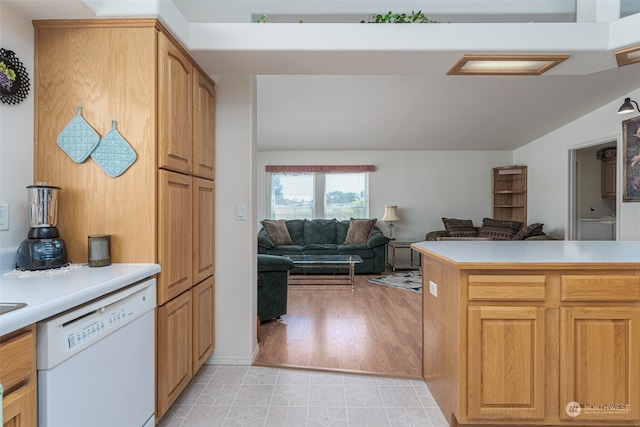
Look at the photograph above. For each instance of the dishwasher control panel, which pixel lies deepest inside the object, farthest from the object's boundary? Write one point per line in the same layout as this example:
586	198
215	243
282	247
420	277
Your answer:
65	335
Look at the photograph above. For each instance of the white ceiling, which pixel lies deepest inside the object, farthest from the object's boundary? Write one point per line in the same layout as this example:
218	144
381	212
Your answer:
353	94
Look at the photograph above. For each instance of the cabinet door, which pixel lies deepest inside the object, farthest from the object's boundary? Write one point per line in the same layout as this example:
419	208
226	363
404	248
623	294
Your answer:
506	362
174	234
19	408
204	104
204	206
609	178
174	350
175	127
203	322
600	363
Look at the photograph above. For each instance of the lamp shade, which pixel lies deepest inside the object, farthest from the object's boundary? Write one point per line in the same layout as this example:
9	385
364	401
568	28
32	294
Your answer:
627	107
390	214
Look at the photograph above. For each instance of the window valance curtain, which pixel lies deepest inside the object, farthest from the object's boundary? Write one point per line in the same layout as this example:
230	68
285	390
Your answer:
320	168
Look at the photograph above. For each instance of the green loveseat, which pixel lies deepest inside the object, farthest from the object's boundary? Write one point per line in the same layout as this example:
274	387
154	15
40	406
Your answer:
326	237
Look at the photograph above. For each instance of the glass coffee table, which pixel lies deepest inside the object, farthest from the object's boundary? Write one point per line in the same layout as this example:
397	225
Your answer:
324	261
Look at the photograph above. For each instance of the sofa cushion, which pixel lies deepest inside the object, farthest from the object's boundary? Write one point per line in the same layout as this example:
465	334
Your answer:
277	231
459	227
320	249
359	231
296	230
320	231
529	231
364	251
286	250
342	228
498	229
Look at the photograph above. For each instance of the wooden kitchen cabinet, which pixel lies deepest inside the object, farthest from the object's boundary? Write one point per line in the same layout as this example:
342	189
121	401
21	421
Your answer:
204	127
175	107
506	362
599	363
174	349
508	344
175	216
204	298
19	378
161	209
608	171
204	207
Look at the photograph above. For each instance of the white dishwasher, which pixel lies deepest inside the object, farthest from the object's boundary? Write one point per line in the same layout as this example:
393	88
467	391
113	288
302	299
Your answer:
96	362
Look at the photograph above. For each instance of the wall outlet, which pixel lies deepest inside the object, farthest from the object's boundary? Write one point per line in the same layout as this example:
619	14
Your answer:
433	289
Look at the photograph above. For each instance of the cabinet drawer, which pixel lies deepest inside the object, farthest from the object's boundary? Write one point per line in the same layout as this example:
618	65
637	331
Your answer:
507	287
600	288
16	360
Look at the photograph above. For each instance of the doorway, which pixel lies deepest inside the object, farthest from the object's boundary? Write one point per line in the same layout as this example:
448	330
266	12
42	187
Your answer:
593	192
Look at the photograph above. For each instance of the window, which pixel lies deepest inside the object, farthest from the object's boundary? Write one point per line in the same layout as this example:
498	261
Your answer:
310	195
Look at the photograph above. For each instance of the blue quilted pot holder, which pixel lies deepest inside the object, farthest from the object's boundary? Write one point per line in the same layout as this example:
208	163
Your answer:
113	154
78	139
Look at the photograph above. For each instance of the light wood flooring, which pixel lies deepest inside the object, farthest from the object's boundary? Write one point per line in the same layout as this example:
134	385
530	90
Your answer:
373	329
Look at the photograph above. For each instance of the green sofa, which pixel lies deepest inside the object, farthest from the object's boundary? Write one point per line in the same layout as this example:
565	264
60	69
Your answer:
326	237
272	286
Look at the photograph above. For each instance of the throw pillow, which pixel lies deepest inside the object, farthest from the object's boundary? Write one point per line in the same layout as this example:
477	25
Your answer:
498	229
359	231
459	227
530	230
277	231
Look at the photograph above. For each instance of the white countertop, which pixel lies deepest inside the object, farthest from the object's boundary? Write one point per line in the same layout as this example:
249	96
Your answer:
538	251
47	296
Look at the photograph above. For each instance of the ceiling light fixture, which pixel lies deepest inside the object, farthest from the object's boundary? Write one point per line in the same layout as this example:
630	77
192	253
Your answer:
526	65
627	107
628	55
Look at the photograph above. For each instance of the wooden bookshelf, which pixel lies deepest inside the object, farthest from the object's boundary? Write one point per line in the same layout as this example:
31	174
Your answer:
509	193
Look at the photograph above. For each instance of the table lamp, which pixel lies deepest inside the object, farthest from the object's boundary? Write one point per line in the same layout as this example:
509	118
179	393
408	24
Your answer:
390	215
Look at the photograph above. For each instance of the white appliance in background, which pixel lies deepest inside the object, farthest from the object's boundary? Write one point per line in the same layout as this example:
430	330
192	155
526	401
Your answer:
597	229
96	362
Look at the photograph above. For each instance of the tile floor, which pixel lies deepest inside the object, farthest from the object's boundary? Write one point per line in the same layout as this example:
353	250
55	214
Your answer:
223	395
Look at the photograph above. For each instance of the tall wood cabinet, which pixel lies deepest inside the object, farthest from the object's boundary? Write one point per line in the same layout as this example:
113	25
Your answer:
161	209
608	171
509	193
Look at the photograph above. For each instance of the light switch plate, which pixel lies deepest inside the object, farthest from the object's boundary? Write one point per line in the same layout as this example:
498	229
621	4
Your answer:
433	289
241	212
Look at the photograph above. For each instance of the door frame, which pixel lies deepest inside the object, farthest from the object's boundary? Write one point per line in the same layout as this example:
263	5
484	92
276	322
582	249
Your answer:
574	168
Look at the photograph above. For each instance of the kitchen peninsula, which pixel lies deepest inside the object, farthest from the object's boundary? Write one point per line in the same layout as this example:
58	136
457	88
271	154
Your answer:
532	333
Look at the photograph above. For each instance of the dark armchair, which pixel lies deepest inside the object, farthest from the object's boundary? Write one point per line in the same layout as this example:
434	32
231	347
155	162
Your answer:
272	286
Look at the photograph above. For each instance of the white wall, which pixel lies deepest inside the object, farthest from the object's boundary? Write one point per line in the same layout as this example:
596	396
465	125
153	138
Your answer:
16	131
548	160
425	185
236	244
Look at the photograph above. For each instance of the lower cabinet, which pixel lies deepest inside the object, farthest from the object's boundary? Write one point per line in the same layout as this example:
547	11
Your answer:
599	349
523	337
18	377
506	362
203	296
185	339
174	350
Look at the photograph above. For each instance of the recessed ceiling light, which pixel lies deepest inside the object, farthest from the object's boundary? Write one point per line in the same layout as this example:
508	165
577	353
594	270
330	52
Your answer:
628	55
506	64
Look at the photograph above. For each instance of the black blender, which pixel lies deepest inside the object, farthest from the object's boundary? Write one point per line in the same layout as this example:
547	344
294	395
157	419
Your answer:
43	248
